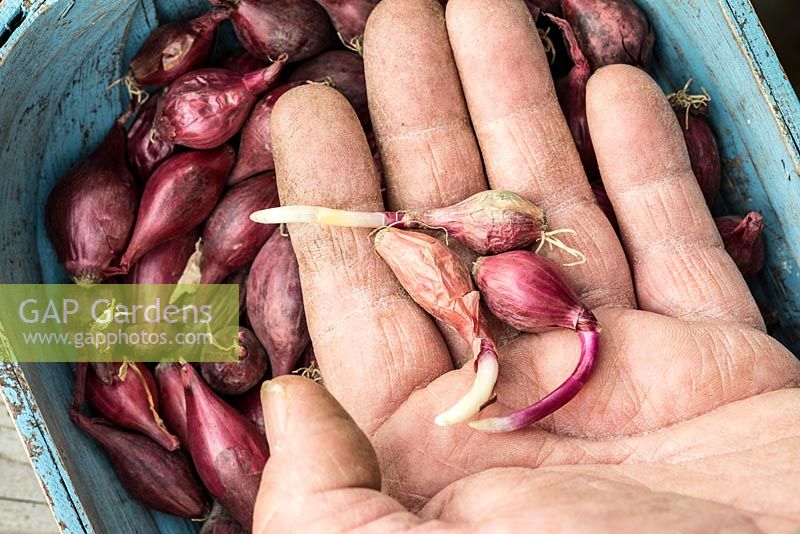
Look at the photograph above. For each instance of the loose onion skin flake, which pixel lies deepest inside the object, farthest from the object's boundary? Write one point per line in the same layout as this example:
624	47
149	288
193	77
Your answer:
488	222
178	197
160	479
90	213
744	240
205	108
176	48
229	452
611	31
268	28
104	371
230	239
437	280
131	401
527	292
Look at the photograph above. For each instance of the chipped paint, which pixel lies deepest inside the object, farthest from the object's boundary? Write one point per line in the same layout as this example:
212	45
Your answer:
25	413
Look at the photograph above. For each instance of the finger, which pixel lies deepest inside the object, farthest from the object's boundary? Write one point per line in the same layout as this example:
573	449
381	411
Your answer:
428	150
524	138
322	474
373	344
679	264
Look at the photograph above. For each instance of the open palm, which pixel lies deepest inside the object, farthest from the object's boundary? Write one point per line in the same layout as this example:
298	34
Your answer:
688	419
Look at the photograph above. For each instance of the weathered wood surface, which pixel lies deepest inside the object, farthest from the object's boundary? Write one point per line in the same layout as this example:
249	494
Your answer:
23	509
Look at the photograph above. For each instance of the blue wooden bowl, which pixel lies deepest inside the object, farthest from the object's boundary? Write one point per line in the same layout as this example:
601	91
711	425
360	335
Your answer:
57	58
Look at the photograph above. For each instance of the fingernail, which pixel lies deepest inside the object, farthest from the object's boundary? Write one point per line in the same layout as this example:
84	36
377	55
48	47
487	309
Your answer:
276	412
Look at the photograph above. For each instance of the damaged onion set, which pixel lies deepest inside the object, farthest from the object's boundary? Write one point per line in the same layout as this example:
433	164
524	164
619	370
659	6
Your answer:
183	190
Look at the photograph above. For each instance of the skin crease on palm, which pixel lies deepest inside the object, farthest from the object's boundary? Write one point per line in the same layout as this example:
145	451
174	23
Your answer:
689	422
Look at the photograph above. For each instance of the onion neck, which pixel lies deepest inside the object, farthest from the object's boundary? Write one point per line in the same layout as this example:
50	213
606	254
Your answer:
749	229
482	390
586	321
207	23
258	81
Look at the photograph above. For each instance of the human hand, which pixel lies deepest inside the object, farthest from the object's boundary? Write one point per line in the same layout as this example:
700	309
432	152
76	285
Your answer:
687	422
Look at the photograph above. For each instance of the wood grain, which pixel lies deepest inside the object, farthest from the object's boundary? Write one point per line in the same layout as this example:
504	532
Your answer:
23	509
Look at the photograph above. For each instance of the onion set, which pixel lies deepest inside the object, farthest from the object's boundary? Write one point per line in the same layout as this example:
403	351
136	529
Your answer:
488	222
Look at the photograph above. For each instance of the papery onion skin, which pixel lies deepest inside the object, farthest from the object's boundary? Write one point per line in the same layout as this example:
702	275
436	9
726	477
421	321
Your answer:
229	453
176	48
204	108
611	31
160	479
178	197
90	212
165	263
436	278
255	146
488	222
145	151
131	401
744	241
230	239
275	306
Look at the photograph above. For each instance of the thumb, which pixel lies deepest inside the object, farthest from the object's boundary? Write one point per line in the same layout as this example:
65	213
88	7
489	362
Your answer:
322	474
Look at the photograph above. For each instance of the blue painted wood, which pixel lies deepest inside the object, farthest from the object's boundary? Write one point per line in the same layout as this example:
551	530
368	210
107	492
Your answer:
54	109
756	117
11	12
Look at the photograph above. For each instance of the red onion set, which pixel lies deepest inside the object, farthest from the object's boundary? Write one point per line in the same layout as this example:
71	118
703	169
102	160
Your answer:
183	188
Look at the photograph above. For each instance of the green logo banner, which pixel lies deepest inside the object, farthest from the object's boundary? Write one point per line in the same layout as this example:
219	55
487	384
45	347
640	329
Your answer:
118	322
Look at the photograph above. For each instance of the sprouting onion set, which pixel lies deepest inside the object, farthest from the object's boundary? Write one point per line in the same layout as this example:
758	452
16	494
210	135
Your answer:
183	189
